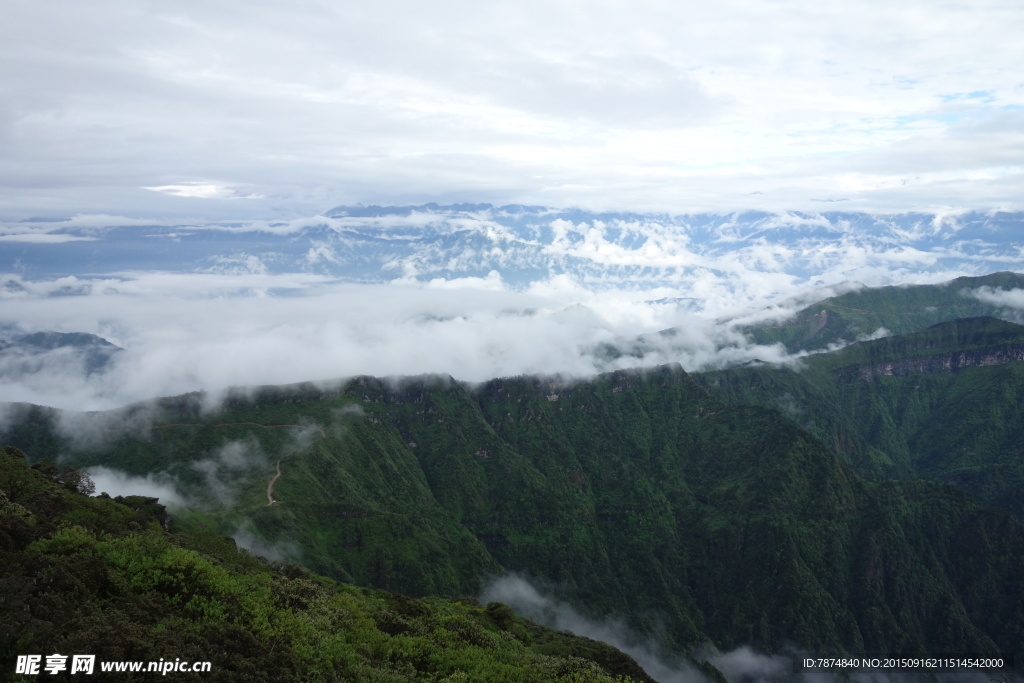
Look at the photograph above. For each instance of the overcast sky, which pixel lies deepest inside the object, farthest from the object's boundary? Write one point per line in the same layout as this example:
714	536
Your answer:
241	109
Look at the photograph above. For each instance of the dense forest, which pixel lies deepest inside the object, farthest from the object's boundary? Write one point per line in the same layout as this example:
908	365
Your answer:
637	494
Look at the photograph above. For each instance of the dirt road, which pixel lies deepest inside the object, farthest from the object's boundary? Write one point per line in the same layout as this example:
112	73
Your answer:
270	485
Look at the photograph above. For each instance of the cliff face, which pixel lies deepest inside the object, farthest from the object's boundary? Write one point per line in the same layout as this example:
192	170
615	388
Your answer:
939	404
945	362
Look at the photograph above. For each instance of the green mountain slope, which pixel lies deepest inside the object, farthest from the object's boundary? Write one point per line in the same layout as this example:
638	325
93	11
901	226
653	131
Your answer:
898	309
637	494
102	577
941	404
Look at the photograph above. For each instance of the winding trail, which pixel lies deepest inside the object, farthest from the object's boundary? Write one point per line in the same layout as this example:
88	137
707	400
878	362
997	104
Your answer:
270	485
849	308
273	479
235	424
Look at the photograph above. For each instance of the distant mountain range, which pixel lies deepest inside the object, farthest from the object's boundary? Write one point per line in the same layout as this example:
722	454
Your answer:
26	354
521	243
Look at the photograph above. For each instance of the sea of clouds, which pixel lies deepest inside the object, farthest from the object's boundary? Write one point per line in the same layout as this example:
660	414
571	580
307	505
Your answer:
472	292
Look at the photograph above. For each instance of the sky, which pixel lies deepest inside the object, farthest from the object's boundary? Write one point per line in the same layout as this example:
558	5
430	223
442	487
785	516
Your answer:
229	109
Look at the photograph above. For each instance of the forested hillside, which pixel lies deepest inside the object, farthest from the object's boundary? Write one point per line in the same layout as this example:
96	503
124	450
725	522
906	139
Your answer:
896	309
104	577
636	494
941	404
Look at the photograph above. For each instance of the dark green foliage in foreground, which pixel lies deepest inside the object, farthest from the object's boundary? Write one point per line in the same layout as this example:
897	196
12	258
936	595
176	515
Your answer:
637	494
95	576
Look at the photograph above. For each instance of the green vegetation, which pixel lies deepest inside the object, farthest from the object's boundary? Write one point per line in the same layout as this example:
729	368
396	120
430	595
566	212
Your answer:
848	504
940	404
898	309
102	576
638	494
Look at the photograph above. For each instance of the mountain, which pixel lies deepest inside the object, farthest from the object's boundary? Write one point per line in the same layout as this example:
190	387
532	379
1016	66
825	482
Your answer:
939	404
638	494
864	499
894	310
522	244
26	354
106	577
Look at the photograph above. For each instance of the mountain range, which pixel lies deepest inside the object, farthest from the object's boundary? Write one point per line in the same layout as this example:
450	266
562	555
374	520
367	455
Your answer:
521	243
864	496
27	354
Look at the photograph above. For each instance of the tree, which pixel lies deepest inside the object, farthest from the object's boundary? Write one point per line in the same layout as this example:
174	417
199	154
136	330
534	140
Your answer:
79	482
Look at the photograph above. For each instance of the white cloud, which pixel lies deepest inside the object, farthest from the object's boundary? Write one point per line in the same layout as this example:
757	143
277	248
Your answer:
527	601
1011	299
899	106
117	483
185	333
44	238
178	340
491	283
204	191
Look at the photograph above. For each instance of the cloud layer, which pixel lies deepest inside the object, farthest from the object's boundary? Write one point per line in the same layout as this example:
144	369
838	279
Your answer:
741	665
474	292
225	109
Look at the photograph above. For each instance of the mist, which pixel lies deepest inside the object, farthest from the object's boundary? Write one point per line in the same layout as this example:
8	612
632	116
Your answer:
740	665
277	551
175	344
116	483
473	293
527	601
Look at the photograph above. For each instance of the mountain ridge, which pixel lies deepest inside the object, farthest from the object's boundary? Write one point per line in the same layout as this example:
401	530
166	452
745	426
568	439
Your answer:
110	577
895	309
766	506
637	484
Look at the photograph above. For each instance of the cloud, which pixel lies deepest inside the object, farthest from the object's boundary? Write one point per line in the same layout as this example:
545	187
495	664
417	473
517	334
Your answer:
1011	299
492	283
649	106
177	341
527	601
740	665
209	481
743	664
91	430
475	294
278	551
117	483
44	238
207	191
223	469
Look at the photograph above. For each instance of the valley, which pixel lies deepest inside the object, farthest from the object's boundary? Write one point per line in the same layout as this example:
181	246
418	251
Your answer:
865	499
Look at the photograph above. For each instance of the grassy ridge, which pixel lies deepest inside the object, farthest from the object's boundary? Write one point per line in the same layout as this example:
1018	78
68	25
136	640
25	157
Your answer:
101	576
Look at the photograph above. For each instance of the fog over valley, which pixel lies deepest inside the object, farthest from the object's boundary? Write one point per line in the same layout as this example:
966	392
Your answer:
474	292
